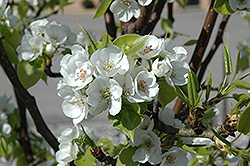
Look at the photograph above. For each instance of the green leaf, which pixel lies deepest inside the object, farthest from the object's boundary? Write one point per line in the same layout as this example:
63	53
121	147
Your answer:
244	99
102	8
182	95
192	94
202	151
130	43
87	160
109	146
44	78
193	162
66	2
188	149
183	3
119	127
30	72
209	84
88	36
244	63
167	26
11	53
23	7
129	115
223	7
243	124
104	42
190	42
227	61
166	92
21	160
126	156
241	84
11	36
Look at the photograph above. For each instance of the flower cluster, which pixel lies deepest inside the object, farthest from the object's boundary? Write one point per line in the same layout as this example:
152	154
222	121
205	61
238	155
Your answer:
93	84
45	38
149	145
67	150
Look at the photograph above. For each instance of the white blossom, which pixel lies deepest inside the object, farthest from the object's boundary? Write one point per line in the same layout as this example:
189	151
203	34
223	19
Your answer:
144	2
151	48
178	73
66	153
104	93
74	105
71	37
39	27
76	68
127	84
31	46
149	149
174	157
110	61
167	117
146	88
239	4
161	68
125	9
55	34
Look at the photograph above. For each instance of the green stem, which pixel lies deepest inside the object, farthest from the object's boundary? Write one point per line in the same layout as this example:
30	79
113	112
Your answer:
236	138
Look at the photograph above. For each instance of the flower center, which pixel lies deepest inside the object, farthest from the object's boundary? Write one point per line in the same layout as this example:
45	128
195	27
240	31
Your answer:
78	102
173	74
170	159
81	75
106	95
108	66
125	92
35	49
241	2
147	144
142	85
148	49
54	37
126	4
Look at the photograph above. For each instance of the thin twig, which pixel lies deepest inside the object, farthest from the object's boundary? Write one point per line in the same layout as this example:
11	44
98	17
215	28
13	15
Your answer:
41	9
49	73
28	100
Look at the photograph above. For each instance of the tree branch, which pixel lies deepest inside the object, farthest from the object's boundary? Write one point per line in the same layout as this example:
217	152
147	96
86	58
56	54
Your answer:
141	23
48	71
23	131
28	100
201	46
217	42
204	38
110	23
155	17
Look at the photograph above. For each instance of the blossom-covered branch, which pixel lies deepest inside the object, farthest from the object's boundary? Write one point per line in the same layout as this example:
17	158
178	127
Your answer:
28	100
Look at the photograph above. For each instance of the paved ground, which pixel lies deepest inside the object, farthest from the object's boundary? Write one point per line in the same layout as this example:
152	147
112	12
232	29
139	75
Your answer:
188	21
